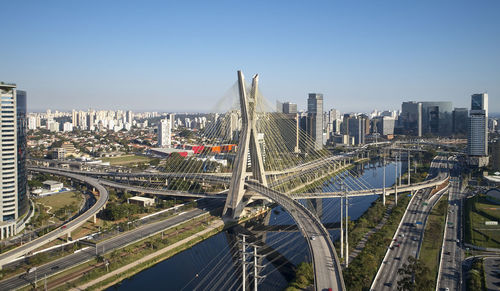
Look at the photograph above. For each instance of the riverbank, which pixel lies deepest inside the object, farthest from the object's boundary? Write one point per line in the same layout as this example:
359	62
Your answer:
131	269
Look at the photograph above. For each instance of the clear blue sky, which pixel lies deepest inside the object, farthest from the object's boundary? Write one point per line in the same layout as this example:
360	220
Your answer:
183	55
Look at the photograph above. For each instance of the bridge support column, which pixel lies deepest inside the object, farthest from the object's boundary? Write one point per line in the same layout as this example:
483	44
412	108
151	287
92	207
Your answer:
247	145
68	236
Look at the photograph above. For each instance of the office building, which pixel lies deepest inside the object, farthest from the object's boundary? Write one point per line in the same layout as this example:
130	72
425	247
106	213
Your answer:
13	200
384	125
165	133
356	128
315	119
460	120
289	132
289	108
22	145
411	118
437	118
477	136
495	155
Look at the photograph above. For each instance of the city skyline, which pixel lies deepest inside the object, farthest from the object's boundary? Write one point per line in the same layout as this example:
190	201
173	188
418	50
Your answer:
81	55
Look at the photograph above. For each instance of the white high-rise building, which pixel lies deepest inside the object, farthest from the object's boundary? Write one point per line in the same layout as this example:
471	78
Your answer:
477	137
67	126
32	123
165	133
11	192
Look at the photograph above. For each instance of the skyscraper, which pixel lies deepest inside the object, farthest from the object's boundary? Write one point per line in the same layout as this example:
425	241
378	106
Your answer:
460	120
411	118
22	178
289	108
13	202
164	133
477	136
315	119
437	118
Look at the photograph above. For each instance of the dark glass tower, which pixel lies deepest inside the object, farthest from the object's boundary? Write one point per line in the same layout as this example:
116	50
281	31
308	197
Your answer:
22	181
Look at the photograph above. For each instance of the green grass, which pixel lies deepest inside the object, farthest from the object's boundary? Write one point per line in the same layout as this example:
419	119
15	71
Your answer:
433	238
125	160
363	268
142	248
478	210
58	201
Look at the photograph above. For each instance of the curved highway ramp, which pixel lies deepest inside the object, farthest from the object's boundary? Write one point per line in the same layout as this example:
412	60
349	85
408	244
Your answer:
68	227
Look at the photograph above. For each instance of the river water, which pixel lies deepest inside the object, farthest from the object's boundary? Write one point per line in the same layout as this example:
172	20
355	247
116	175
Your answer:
215	264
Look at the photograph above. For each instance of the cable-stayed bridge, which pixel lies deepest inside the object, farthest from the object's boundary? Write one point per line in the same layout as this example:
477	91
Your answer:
274	160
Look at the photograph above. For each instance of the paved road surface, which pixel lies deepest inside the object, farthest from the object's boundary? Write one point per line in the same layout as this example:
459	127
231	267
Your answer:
327	270
68	227
408	235
451	260
106	246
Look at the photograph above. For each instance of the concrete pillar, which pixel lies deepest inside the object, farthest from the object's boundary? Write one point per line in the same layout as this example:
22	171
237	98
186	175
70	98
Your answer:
68	236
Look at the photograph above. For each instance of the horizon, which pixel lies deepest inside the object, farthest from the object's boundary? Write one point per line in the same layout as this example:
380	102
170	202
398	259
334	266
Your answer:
181	57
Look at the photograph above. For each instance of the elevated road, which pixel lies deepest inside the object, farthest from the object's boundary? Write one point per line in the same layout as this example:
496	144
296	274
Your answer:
154	191
438	180
66	228
327	269
107	246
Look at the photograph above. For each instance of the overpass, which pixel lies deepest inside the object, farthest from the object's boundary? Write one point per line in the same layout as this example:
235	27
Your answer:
327	269
438	180
66	228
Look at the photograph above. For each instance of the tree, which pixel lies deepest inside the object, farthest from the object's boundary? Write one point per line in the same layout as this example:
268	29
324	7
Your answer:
414	276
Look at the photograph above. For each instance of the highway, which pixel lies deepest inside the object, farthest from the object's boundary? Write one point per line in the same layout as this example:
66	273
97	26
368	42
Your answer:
66	228
327	269
107	246
451	256
408	237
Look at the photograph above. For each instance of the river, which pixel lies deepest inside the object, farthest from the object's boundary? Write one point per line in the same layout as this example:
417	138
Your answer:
215	263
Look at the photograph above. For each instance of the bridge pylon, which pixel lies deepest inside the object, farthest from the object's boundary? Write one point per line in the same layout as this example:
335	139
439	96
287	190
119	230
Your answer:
247	146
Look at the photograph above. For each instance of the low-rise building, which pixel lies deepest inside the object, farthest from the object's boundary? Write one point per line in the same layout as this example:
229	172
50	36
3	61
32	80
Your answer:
143	201
52	185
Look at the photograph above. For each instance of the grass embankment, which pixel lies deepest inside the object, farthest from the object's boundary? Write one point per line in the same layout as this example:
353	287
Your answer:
304	277
475	279
126	160
478	210
369	220
62	200
433	238
364	267
118	258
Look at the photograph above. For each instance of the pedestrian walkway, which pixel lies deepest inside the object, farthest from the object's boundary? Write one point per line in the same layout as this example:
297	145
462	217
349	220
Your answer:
362	242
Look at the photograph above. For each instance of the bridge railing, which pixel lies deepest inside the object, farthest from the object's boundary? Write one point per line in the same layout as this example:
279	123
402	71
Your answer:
278	197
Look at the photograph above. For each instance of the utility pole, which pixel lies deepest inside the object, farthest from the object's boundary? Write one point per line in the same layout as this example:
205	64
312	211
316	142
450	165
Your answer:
346	230
383	192
341	221
409	168
243	261
400	167
396	182
255	268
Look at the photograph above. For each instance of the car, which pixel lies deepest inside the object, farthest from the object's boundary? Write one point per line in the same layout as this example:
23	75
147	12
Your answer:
63	227
458	241
397	245
388	284
402	235
313	237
